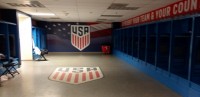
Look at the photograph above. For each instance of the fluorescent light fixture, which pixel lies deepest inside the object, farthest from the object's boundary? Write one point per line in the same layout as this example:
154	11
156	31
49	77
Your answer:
43	14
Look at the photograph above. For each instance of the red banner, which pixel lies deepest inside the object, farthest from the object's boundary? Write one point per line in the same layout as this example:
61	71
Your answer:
179	8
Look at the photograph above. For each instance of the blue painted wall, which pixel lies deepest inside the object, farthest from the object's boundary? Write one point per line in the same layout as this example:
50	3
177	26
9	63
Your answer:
59	36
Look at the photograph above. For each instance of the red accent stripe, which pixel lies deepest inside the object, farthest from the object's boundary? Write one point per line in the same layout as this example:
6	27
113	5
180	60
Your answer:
83	40
74	39
79	44
90	74
76	78
92	23
77	41
56	75
83	76
101	33
62	76
97	74
69	77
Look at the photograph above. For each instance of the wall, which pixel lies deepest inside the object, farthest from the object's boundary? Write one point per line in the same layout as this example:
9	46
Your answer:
25	35
59	37
8	15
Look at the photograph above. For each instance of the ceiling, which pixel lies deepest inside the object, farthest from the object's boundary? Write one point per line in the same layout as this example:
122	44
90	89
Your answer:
85	10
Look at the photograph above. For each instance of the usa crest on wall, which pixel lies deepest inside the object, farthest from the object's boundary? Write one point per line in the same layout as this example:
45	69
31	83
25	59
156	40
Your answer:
80	36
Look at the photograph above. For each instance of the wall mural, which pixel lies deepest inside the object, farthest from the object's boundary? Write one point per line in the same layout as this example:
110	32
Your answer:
76	37
80	36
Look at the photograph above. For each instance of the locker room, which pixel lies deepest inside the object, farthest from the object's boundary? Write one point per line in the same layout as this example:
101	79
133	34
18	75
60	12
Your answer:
92	48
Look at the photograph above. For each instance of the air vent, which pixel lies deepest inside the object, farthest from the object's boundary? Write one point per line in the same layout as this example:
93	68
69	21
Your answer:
121	6
103	20
30	4
53	18
111	15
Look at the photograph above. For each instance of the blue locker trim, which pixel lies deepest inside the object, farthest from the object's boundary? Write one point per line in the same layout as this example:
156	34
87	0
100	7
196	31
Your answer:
191	47
138	46
170	48
34	35
132	31
39	38
195	66
123	40
146	46
156	53
127	40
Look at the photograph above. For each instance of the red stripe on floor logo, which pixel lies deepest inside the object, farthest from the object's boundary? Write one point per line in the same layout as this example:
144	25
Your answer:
83	76
97	74
69	77
76	75
91	75
62	76
76	78
55	76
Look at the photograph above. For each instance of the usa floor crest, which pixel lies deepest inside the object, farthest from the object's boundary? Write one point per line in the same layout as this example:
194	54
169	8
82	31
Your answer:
76	75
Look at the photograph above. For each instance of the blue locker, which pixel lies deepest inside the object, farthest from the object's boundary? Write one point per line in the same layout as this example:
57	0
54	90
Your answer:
151	43
142	42
195	66
135	42
163	45
181	34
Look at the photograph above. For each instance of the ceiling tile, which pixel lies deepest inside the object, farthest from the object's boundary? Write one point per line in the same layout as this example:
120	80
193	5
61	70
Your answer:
87	10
